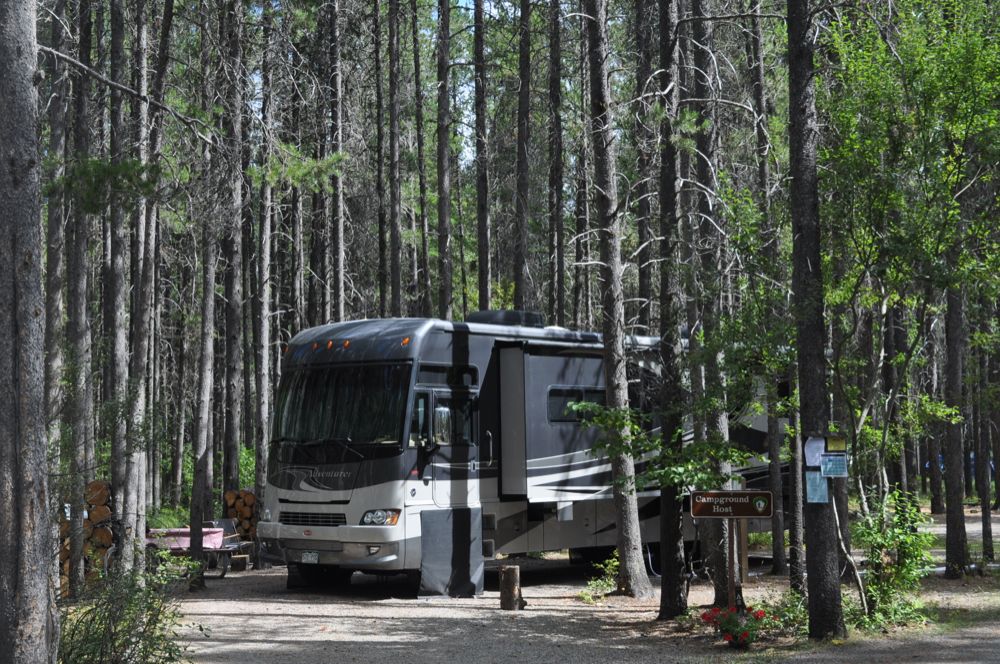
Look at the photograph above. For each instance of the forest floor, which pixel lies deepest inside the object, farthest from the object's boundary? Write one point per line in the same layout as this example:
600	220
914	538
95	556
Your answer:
251	617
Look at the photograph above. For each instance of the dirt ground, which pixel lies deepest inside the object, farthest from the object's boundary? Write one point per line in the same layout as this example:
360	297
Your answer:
251	617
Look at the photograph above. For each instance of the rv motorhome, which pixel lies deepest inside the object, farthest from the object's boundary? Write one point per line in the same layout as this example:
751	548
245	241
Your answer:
424	446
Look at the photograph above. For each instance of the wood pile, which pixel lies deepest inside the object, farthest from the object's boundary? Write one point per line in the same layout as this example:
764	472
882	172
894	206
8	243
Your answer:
96	533
242	506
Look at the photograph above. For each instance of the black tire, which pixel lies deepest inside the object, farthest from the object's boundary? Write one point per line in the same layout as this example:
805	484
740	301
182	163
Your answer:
413	581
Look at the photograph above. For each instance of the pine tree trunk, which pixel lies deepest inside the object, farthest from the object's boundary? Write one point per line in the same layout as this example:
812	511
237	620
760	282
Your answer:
116	333
262	363
673	569
826	618
557	275
643	136
956	547
445	296
632	575
80	396
383	274
520	262
983	448
395	195
426	304
796	535
55	234
482	165
233	243
28	619
717	422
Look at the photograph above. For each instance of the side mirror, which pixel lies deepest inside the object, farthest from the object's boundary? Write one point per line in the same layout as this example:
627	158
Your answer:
442	425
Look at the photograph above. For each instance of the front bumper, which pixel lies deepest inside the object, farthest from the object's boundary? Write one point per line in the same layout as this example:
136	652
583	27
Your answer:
351	547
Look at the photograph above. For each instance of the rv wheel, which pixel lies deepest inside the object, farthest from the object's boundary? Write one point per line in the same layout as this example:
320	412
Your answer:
413	581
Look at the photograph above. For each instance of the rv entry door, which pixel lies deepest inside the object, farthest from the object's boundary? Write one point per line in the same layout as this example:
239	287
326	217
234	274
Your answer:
455	460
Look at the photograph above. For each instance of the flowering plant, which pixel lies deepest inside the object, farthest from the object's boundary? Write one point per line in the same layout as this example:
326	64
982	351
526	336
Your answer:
738	628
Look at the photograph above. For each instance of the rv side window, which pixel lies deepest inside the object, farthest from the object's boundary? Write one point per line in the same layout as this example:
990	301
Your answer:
560	399
420	422
462	376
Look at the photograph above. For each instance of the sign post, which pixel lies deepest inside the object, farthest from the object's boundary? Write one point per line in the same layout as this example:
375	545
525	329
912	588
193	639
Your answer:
732	505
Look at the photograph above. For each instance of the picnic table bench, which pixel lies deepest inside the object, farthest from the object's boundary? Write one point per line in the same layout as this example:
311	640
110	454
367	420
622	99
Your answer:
219	539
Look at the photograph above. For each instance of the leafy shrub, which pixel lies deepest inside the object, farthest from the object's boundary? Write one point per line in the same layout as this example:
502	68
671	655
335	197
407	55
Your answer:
788	615
738	628
898	555
127	617
606	583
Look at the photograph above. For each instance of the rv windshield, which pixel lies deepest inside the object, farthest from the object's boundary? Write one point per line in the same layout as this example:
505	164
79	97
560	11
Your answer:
340	413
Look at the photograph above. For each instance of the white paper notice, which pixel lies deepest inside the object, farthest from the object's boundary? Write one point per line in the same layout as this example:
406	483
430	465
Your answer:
814	449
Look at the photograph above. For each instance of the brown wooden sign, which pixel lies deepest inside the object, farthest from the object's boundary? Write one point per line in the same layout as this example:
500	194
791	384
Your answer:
731	505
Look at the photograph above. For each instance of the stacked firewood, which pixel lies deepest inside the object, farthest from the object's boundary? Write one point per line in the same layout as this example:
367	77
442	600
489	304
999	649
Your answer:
97	534
242	506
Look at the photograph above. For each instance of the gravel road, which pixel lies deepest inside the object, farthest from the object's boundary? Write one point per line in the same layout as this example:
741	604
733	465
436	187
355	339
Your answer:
250	617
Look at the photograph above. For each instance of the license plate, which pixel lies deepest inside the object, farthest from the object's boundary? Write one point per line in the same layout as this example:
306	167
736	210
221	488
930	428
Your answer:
310	557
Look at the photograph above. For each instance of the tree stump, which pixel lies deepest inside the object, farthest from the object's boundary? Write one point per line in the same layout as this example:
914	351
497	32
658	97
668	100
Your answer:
510	588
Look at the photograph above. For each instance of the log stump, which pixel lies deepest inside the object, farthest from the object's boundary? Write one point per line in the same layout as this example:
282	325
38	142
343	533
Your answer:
510	588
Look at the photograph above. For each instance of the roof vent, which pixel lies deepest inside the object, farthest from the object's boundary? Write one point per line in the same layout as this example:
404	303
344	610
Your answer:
507	317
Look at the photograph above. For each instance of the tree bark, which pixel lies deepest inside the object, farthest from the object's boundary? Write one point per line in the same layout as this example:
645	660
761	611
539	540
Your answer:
383	274
336	145
520	262
426	305
708	297
55	235
632	575
673	568
983	449
643	136
123	484
28	619
557	274
233	244
482	164
395	203
443	161
956	546
79	385
262	364
826	618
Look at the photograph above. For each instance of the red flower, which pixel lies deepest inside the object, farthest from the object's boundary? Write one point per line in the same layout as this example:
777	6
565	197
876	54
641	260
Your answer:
727	637
759	614
706	616
744	636
716	610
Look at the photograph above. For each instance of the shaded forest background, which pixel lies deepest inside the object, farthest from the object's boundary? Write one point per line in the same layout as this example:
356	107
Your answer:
219	175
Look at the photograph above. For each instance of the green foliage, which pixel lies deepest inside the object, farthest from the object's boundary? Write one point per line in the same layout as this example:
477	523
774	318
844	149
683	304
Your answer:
97	183
248	467
625	432
898	554
127	617
168	517
289	166
788	615
606	583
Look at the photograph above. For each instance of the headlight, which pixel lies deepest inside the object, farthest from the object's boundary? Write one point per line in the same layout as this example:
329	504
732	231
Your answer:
266	516
380	518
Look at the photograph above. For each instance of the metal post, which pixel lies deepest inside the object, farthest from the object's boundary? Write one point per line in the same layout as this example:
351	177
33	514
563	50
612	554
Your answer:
732	564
